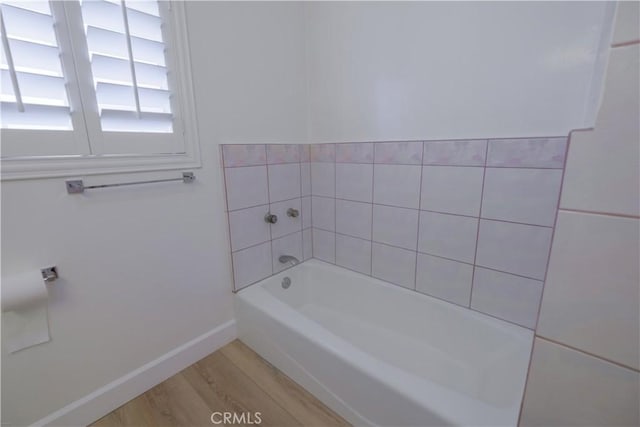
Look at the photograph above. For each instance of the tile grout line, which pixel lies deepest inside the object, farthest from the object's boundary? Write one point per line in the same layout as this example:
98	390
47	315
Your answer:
440	212
475	254
270	225
386	141
430	254
544	281
263	204
587	212
624	44
226	199
373	183
299	148
311	199
335	208
579	350
415	270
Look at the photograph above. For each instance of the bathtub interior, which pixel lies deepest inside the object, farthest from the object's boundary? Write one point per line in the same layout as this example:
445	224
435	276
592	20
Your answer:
471	353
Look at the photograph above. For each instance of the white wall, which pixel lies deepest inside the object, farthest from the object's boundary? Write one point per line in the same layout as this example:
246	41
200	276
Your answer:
447	70
146	269
250	60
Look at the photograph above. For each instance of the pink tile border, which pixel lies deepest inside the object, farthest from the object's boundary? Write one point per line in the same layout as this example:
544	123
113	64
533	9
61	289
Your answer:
323	152
305	156
283	153
527	152
361	152
407	153
455	153
244	155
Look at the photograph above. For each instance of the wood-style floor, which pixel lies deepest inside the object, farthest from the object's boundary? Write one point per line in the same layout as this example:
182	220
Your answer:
233	379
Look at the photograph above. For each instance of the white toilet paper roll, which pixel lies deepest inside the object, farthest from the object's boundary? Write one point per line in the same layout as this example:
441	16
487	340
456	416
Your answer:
25	320
23	290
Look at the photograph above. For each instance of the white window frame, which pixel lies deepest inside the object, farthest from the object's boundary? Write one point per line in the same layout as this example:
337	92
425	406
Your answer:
87	143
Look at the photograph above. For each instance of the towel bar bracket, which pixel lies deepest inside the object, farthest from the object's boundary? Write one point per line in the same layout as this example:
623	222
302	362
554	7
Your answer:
49	274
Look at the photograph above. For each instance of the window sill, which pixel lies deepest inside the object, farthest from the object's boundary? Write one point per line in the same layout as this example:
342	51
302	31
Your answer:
17	168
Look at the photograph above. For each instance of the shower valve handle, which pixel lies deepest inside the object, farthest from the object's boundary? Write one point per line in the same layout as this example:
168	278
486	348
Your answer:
271	218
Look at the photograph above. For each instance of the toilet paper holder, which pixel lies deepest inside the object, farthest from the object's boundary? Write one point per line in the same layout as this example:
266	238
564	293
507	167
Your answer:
49	274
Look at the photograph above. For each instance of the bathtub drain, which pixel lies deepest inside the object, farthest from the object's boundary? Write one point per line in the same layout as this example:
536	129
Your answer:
286	282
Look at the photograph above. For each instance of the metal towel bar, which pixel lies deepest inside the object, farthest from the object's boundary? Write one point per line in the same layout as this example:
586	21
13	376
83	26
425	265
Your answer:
76	186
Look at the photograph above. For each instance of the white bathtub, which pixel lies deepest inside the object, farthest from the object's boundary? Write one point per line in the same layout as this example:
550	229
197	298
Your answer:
379	354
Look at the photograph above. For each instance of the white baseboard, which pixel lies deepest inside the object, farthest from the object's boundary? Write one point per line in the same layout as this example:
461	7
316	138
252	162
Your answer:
105	399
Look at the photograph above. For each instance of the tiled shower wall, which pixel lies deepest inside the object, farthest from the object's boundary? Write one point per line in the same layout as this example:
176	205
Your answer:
262	179
468	221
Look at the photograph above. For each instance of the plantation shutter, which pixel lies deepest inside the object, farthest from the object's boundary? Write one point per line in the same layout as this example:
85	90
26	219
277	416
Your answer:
33	93
128	63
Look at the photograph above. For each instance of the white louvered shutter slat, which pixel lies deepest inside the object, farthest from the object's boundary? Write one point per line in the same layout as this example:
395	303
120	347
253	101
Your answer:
32	45
131	86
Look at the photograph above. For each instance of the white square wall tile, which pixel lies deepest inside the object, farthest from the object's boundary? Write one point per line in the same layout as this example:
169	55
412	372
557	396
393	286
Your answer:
522	195
514	248
252	264
354	218
449	236
452	189
627	22
603	165
323	179
248	227
324	213
395	226
443	278
570	388
397	185
393	265
284	182
354	182
305	212
324	245
305	176
506	296
462	152
353	253
246	187
592	297
287	245
286	224
307	244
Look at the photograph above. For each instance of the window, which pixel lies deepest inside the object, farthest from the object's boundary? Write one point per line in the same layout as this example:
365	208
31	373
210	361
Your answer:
90	86
31	70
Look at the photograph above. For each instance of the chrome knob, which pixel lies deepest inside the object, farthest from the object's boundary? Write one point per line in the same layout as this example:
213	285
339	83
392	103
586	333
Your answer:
271	218
293	213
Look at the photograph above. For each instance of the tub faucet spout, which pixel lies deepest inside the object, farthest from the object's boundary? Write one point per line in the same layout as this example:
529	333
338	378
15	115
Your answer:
288	259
